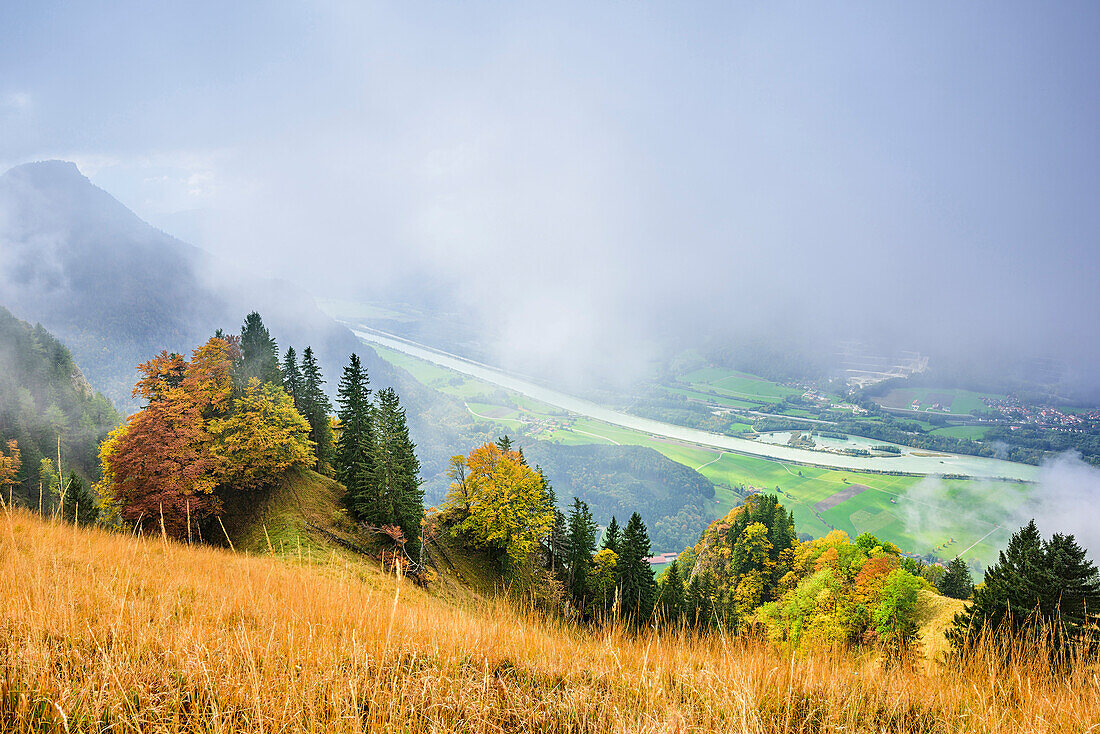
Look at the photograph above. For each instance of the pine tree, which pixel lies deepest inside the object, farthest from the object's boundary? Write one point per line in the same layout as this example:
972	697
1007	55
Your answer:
292	377
612	537
355	448
636	575
397	470
504	443
316	409
554	549
672	594
259	354
956	582
580	544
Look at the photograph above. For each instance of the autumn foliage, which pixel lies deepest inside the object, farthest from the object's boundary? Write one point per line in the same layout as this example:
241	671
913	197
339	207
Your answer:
9	464
173	460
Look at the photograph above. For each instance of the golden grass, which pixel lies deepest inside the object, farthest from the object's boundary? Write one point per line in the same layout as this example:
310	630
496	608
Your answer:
110	632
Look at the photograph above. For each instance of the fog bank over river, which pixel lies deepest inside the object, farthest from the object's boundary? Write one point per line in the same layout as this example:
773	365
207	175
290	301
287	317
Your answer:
910	463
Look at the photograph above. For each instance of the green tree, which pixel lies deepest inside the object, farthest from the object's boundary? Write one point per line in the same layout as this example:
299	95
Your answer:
81	505
355	448
580	545
894	618
292	377
555	543
396	469
316	409
612	537
638	589
672	594
1072	597
956	582
259	354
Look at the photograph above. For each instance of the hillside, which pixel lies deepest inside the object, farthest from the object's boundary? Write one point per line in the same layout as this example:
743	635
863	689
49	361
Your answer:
43	395
104	630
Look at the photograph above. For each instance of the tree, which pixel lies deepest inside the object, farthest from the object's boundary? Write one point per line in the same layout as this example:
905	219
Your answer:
504	443
612	537
10	465
604	579
316	408
555	542
672	594
504	505
81	506
894	618
638	589
292	377
1051	585
354	459
262	437
956	582
396	468
580	544
259	354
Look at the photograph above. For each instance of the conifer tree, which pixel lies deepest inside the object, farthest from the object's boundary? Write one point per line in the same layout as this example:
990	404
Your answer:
316	409
672	594
259	353
612	537
292	377
504	443
81	506
580	544
555	542
956	582
397	470
635	573
355	448
1072	597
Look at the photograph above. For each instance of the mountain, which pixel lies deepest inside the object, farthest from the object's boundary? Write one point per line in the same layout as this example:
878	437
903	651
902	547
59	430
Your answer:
44	395
117	290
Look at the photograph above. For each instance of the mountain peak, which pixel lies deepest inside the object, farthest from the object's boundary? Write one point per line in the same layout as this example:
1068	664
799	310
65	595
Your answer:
49	172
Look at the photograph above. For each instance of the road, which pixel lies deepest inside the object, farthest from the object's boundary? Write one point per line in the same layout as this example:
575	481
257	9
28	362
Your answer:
909	463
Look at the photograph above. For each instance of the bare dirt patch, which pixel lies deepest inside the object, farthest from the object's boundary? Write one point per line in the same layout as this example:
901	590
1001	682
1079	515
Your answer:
845	494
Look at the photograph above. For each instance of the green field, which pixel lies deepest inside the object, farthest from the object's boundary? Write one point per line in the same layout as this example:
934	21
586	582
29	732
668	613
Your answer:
974	433
739	384
918	514
959	401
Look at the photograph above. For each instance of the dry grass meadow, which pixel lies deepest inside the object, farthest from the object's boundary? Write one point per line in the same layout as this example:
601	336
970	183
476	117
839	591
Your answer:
107	632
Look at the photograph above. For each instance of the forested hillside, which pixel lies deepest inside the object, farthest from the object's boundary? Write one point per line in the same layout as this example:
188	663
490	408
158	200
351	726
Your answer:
43	395
619	480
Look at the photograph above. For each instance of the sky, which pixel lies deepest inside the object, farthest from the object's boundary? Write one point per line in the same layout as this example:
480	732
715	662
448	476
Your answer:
588	181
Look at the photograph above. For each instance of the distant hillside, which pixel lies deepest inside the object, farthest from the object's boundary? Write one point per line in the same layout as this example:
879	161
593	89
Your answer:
117	290
43	394
619	480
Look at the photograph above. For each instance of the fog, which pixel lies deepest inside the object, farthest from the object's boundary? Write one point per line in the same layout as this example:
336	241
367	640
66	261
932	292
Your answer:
1064	499
595	186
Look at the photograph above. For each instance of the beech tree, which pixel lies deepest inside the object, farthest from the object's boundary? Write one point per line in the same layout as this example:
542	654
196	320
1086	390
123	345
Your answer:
10	465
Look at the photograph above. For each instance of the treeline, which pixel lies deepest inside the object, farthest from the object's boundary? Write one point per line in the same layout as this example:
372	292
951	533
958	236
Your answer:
232	421
47	408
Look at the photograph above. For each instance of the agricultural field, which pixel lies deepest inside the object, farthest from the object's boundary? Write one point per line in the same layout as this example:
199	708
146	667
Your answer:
919	514
738	384
974	433
960	402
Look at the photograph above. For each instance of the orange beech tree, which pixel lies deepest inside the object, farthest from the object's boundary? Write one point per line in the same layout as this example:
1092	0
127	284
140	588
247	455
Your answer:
170	459
9	464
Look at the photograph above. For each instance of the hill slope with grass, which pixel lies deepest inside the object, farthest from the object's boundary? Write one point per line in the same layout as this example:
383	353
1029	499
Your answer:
110	631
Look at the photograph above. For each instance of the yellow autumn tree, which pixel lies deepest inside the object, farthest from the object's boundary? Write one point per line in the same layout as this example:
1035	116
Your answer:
9	465
502	503
262	437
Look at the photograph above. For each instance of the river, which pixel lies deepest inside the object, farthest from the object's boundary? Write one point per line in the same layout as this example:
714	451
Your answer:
910	462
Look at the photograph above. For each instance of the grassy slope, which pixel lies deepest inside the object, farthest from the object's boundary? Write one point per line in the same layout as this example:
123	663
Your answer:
102	631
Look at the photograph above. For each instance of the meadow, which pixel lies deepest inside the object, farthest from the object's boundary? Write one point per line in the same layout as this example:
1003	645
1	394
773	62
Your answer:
112	632
960	401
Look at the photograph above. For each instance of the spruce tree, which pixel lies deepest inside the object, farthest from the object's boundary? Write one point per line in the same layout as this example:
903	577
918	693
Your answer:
292	377
355	448
580	544
636	575
397	470
612	537
81	506
554	548
504	443
672	594
956	582
259	353
316	409
1072	598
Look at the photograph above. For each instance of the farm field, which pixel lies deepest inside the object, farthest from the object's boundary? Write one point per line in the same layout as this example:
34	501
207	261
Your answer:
959	401
974	433
919	514
739	384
